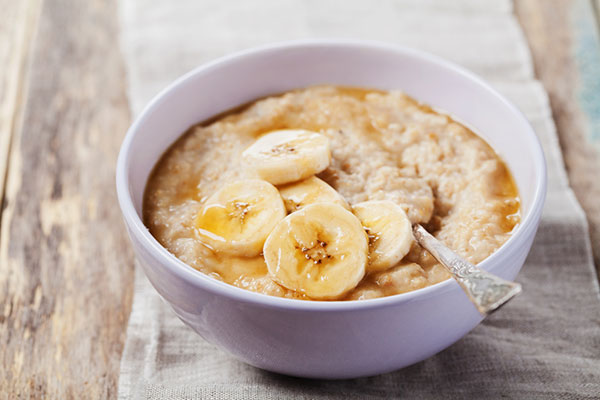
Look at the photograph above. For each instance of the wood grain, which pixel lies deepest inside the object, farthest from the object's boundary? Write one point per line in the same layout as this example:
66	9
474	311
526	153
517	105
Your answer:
551	36
17	26
65	263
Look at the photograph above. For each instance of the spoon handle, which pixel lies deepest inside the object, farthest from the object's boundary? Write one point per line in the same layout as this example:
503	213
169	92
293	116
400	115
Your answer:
487	291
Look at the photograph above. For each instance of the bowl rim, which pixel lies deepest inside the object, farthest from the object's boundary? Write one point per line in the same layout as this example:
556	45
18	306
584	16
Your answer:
182	270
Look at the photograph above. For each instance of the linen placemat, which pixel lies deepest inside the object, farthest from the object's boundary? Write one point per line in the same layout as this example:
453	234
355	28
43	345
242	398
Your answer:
544	344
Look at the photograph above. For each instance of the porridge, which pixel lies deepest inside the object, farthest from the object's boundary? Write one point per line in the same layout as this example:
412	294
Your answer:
311	194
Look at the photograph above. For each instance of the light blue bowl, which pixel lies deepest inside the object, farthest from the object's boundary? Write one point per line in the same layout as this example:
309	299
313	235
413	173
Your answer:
314	338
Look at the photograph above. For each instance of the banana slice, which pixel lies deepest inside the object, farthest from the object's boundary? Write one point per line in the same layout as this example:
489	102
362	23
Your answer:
238	218
389	231
288	155
320	251
309	191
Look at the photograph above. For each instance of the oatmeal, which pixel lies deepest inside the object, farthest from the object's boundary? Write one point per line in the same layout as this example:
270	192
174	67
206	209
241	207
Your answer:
368	149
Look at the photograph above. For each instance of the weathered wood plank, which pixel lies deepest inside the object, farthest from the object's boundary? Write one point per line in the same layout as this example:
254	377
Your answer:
65	263
552	38
17	26
586	54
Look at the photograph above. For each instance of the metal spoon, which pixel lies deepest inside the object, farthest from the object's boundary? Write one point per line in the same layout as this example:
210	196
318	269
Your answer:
487	291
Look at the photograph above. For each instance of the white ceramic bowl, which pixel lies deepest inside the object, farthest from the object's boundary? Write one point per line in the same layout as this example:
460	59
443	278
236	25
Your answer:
313	338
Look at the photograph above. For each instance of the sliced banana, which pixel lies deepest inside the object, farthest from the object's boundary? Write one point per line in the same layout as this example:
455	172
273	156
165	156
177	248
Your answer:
389	231
320	251
238	218
309	191
288	155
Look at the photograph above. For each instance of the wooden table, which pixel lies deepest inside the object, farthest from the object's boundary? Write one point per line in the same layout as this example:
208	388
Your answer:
66	268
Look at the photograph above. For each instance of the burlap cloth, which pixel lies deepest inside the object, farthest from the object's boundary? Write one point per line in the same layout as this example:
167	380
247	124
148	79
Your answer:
545	344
